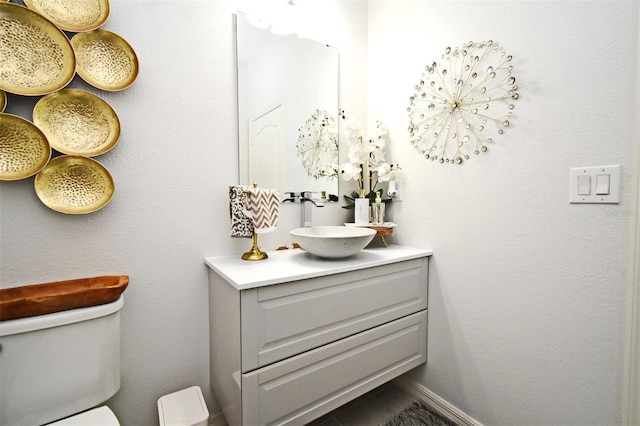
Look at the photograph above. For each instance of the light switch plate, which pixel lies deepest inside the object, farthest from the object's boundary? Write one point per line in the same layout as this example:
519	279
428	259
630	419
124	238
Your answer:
578	174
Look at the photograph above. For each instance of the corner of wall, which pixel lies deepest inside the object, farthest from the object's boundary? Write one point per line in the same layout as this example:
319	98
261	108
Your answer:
631	383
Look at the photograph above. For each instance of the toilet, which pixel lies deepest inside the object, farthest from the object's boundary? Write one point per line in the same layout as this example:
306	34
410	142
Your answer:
57	365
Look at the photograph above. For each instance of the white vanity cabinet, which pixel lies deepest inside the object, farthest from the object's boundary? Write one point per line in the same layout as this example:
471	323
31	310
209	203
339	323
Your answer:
296	336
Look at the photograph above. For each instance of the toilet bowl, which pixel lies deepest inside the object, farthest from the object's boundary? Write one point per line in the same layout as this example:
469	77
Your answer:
56	365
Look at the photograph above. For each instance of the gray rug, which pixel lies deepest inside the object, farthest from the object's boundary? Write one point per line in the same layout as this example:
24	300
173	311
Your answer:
417	414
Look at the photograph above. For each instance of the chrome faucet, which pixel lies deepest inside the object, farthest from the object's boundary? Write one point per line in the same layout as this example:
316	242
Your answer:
303	198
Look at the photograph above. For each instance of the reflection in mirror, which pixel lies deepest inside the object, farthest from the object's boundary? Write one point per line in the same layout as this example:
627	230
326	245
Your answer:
287	110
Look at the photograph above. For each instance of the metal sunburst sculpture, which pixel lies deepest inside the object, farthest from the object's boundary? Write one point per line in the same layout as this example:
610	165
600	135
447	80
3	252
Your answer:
462	102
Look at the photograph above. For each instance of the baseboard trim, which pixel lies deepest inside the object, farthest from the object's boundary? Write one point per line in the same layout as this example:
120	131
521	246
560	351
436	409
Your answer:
435	403
217	420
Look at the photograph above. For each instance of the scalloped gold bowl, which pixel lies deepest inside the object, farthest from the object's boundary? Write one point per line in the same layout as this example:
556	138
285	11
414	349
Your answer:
24	148
74	185
105	60
77	122
36	56
72	15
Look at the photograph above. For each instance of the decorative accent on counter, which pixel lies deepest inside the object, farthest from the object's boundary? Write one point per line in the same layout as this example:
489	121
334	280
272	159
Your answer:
366	158
46	298
74	185
37	58
317	145
462	102
383	230
25	149
378	210
361	211
77	122
72	15
261	207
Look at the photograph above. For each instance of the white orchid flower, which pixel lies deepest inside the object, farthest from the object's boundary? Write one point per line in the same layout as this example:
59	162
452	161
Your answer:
350	171
360	152
384	172
366	154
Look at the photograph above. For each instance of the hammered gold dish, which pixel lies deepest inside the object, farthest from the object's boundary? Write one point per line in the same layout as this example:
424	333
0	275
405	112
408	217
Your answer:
105	60
24	149
72	15
36	56
77	122
74	185
3	100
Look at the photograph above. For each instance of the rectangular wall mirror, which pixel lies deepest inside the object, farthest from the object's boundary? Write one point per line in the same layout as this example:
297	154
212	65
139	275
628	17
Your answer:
287	110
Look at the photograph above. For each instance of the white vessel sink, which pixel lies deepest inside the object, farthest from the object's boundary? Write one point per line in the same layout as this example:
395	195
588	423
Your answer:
333	241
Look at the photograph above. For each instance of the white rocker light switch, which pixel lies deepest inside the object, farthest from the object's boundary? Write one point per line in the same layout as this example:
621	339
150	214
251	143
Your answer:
602	184
584	185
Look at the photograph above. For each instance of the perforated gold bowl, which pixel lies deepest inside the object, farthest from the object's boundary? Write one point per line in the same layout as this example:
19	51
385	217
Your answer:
74	185
24	149
105	60
72	15
77	122
36	56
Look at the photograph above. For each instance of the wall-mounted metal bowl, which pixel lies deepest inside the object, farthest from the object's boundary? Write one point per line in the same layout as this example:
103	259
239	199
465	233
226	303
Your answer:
74	185
105	60
37	57
77	122
25	149
73	15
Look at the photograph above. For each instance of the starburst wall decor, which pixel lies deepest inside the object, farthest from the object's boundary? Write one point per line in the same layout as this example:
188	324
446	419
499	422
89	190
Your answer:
462	102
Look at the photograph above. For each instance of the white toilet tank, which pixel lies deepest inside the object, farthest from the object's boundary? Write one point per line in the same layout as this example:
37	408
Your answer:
59	364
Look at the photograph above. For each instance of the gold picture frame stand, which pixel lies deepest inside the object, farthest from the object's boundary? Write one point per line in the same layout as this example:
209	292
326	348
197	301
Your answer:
255	253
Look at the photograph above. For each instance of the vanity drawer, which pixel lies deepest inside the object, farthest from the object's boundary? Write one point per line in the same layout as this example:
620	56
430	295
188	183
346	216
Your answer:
287	319
304	387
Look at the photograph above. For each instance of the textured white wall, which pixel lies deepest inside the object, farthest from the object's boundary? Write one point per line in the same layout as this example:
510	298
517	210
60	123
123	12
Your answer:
175	159
172	165
527	291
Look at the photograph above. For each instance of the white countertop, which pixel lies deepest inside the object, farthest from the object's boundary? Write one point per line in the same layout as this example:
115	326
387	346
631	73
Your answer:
296	264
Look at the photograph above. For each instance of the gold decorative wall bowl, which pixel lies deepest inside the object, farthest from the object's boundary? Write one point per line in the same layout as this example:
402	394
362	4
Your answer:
105	60
74	185
72	15
36	56
77	122
25	149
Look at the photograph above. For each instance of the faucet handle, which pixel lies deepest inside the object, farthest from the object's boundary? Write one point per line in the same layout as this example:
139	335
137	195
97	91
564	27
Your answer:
291	196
